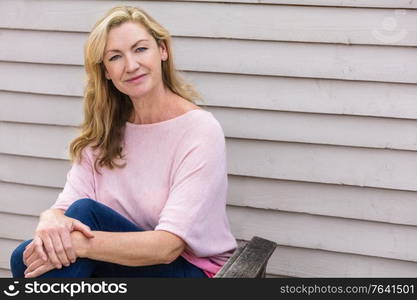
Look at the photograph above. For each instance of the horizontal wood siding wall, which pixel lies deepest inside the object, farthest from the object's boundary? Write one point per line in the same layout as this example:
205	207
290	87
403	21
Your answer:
318	101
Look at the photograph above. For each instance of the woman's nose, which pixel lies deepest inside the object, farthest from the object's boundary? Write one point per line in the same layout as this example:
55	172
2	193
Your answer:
132	64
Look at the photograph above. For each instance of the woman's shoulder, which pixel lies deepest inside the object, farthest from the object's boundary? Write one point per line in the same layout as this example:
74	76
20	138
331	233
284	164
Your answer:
205	126
201	118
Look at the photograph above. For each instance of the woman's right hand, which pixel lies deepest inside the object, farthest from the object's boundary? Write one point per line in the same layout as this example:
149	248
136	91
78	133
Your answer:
53	236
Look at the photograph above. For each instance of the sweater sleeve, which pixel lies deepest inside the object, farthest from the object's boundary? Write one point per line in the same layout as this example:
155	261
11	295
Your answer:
196	206
80	182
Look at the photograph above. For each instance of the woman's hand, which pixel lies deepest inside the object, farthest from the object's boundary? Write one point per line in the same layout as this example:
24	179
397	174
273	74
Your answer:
36	266
53	237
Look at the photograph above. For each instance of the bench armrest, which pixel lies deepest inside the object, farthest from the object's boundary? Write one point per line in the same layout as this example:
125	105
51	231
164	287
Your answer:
249	260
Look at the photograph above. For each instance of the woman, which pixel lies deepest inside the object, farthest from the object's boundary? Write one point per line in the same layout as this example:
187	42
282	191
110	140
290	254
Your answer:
146	194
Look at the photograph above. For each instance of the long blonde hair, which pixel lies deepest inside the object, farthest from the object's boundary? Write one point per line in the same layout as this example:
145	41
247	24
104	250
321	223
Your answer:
106	109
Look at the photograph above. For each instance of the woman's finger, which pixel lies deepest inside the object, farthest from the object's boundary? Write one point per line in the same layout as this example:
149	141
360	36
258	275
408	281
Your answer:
32	258
38	247
79	226
34	265
39	271
51	252
59	249
28	252
68	248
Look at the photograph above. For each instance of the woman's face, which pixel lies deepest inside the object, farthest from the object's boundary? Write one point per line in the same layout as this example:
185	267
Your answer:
132	60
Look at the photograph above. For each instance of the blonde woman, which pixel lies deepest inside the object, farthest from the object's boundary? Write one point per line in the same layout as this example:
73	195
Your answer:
146	194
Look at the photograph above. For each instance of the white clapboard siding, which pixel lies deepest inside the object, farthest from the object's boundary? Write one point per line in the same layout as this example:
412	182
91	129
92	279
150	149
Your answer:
391	206
40	78
36	140
317	128
7	248
244	91
349	62
307	95
36	198
17	227
5	273
391	169
325	233
26	170
220	20
302	262
238	123
40	108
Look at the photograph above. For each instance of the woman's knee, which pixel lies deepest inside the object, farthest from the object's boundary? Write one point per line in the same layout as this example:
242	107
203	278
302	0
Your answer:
16	260
80	206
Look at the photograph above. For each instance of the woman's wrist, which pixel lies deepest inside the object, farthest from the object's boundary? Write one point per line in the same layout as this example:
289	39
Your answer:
52	212
80	243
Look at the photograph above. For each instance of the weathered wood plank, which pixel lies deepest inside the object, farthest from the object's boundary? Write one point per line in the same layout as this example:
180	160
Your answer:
250	261
232	259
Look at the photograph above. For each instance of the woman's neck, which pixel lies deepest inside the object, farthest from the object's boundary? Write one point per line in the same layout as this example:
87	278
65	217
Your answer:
154	108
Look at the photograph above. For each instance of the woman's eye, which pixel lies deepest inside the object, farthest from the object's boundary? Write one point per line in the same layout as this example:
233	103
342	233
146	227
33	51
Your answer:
114	57
141	49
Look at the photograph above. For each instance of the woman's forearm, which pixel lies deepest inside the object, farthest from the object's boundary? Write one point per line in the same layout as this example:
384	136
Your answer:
52	211
129	248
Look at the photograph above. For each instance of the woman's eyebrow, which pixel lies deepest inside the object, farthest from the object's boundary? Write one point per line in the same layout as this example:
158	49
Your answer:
133	46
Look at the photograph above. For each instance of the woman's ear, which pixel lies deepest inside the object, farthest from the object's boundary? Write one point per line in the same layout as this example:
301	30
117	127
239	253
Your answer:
106	74
163	50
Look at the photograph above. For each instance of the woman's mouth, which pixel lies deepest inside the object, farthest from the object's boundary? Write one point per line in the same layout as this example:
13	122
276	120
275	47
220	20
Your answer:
136	79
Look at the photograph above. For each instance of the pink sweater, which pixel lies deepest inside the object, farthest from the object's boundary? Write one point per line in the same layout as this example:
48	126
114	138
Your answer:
175	180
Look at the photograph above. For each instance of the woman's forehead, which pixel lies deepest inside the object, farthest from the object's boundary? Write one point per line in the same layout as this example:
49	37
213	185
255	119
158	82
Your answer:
127	33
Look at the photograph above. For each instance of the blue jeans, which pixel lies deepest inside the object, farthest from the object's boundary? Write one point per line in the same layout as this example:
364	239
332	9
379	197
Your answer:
102	218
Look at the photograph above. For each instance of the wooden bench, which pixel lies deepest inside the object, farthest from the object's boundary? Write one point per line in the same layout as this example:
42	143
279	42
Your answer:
249	260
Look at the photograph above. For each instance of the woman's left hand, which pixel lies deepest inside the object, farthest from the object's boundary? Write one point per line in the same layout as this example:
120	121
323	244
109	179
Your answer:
36	266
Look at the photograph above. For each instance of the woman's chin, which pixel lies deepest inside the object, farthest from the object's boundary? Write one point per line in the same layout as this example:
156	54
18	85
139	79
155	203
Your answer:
137	94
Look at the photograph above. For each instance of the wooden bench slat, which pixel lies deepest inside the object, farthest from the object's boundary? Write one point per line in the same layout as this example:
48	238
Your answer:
249	260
